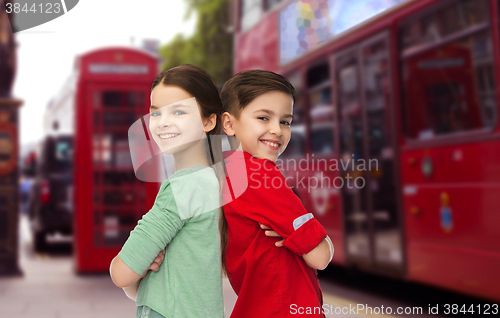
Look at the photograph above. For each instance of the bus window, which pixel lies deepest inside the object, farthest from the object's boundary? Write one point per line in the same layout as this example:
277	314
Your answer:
443	22
320	109
377	96
350	121
381	189
250	13
297	145
351	149
321	121
449	81
270	4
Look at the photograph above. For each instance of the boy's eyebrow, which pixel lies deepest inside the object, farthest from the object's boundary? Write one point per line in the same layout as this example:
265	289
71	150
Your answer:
270	112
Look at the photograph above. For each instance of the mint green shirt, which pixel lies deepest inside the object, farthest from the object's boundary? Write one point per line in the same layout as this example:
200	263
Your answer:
185	215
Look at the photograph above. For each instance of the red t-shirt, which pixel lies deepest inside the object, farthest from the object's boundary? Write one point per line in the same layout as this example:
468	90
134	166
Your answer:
270	281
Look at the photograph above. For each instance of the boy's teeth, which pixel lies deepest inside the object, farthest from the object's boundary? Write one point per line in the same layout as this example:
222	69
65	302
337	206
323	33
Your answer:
166	136
272	144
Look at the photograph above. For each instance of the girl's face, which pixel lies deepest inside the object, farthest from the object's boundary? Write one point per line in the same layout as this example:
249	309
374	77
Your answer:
175	121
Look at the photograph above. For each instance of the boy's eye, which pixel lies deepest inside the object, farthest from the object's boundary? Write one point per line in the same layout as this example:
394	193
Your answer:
179	112
284	122
263	118
155	114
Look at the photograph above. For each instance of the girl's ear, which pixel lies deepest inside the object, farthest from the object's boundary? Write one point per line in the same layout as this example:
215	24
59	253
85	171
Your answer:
227	124
210	122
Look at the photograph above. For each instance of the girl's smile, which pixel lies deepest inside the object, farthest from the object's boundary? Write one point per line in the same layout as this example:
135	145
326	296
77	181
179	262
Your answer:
167	136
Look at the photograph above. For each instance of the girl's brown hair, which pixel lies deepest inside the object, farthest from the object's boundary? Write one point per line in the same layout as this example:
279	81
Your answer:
201	86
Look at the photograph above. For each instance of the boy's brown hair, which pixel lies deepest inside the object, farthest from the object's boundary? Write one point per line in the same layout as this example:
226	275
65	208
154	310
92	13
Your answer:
241	89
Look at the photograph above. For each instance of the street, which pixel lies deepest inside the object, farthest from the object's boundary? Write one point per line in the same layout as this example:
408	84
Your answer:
51	289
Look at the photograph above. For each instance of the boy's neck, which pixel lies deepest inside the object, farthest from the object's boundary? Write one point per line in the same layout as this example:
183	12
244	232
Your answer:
230	152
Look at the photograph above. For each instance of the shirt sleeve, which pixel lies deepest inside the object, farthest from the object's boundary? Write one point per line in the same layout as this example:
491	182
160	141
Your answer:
272	202
152	233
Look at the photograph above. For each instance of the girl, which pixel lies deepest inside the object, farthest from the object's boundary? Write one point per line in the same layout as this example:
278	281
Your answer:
184	111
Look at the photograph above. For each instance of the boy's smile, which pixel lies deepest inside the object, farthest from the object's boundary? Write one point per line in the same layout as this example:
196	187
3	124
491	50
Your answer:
263	127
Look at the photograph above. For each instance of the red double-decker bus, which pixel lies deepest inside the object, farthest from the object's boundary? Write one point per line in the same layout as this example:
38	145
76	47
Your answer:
107	92
395	140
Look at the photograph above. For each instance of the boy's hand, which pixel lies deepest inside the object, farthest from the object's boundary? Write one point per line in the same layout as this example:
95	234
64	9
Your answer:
155	266
271	233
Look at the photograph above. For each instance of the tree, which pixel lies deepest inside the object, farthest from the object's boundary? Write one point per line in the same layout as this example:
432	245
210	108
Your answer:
210	47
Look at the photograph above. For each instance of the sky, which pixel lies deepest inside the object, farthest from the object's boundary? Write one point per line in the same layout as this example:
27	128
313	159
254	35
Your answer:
46	53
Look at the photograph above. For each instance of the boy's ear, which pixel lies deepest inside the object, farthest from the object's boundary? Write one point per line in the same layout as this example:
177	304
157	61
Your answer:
227	124
210	123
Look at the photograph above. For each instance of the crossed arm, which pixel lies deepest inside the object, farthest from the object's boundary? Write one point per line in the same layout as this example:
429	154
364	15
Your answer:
318	258
124	277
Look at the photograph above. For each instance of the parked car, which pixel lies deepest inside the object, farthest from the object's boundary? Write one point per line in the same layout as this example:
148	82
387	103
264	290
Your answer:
50	202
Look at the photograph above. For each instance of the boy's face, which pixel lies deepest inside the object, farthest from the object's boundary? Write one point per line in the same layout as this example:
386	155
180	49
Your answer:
263	127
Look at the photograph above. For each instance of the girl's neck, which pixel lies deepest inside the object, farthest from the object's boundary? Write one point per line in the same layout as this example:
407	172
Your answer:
193	156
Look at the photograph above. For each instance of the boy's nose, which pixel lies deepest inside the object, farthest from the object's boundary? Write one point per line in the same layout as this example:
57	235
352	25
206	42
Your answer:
275	129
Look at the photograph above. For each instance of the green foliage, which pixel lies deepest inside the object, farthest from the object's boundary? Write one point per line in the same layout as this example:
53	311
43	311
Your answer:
210	47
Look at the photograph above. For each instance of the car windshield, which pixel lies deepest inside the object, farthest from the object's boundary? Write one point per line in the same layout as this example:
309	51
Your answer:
60	158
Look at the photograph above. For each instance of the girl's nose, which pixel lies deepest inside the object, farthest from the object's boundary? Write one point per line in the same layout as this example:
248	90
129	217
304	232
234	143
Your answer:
164	121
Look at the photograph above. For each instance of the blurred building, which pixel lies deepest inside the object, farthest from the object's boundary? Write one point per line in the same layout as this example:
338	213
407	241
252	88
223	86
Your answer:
9	192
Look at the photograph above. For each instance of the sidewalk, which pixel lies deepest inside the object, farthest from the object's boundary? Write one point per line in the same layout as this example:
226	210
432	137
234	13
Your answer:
50	289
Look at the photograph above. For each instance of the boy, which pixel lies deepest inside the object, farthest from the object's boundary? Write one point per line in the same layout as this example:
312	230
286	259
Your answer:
270	282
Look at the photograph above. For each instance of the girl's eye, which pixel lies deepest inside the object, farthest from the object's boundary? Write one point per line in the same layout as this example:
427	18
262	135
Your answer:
179	112
263	118
286	123
155	114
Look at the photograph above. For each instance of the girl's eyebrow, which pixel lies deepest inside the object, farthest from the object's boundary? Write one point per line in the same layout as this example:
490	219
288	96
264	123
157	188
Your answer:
152	107
270	112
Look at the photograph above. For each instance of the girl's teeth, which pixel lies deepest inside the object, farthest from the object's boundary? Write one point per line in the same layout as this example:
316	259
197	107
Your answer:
166	136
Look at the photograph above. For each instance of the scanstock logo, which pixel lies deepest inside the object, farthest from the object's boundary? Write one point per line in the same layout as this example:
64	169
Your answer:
26	14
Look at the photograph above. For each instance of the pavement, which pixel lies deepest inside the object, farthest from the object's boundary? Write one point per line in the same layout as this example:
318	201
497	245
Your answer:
50	288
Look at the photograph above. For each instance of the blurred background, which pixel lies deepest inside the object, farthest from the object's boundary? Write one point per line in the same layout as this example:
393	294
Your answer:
410	85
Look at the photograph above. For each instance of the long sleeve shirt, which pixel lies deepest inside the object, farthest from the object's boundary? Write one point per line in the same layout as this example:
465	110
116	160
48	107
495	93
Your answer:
185	215
269	281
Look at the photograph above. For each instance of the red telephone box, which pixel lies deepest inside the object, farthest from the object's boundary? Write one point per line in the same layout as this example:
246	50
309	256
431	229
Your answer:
112	92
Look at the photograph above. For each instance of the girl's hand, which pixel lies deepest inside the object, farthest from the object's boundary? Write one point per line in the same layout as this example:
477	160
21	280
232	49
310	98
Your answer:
155	266
272	233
